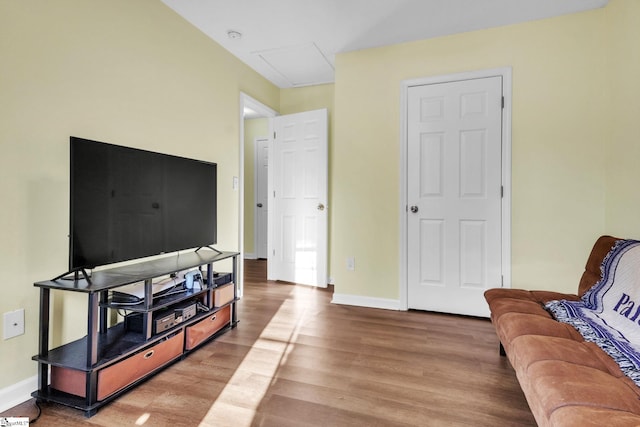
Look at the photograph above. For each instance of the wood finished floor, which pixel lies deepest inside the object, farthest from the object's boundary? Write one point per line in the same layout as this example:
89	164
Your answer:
295	359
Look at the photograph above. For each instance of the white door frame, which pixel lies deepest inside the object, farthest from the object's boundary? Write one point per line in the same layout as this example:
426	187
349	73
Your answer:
255	105
505	73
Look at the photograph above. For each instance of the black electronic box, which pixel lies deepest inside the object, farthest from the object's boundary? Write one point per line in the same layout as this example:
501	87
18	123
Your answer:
163	320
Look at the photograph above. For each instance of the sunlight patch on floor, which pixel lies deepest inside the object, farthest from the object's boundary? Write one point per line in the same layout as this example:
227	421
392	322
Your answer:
237	408
143	419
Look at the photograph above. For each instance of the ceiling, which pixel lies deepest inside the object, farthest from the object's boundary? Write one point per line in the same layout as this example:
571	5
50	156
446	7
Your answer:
294	42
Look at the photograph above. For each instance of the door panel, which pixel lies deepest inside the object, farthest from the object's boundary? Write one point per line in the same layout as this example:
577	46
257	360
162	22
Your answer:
454	185
472	253
432	261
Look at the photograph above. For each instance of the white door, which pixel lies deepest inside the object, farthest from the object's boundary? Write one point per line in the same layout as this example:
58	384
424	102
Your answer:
262	201
298	199
454	194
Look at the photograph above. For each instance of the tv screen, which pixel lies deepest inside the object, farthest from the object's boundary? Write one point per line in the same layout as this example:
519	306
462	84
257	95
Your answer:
127	203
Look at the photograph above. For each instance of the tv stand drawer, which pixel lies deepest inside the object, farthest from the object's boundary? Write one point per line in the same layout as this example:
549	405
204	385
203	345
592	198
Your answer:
121	374
201	331
118	376
223	294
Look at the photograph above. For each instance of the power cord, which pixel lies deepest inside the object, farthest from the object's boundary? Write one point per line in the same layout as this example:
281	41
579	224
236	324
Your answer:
33	421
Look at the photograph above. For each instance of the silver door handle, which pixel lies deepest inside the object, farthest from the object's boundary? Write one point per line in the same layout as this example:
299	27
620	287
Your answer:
320	207
259	205
414	209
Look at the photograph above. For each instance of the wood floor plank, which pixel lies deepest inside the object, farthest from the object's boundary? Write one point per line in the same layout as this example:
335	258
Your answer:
295	359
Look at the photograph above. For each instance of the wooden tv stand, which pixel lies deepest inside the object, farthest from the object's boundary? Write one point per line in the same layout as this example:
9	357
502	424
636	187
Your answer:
88	373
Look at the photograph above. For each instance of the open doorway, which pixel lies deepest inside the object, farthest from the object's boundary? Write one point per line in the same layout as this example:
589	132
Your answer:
260	199
255	122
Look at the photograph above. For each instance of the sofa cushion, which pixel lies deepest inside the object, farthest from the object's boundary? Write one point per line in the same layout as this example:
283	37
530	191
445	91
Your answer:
529	349
513	305
542	297
503	301
512	325
497	293
585	416
555	384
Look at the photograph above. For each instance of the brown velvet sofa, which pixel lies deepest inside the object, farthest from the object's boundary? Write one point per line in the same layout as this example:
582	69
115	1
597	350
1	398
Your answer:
567	381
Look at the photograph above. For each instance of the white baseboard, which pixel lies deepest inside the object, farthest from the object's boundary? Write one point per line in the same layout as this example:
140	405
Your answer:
17	393
250	256
360	301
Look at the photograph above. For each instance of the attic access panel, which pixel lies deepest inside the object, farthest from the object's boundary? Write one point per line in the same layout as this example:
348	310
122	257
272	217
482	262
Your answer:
300	65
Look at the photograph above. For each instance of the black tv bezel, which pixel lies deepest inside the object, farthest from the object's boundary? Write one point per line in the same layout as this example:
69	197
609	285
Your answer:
92	265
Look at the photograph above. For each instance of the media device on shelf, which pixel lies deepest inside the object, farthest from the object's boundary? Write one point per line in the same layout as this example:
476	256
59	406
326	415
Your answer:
128	203
193	280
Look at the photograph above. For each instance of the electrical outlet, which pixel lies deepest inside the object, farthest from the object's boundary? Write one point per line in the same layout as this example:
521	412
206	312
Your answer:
13	323
351	263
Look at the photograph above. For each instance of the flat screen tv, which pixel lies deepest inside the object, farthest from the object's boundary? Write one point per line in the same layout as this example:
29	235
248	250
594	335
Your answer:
128	203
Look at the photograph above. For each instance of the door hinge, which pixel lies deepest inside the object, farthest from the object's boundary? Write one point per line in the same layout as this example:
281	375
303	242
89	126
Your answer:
502	191
502	281
274	134
503	102
274	194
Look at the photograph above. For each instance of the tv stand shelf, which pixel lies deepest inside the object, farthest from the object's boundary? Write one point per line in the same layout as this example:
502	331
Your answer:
90	372
159	302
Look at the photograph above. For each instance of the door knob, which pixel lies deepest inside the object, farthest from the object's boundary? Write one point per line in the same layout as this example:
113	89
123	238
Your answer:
414	209
320	207
259	205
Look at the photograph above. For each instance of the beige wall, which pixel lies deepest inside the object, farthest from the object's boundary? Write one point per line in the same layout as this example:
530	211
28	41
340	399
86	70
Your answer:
560	126
296	100
126	72
622	143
